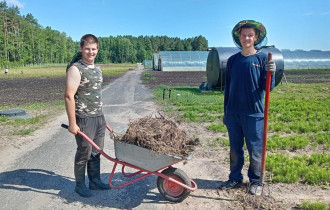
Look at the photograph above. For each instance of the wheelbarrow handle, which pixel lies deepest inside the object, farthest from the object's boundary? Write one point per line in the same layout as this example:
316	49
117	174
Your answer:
93	143
65	126
108	127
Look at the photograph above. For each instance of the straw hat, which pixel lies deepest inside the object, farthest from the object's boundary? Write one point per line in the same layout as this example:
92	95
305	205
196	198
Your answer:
260	29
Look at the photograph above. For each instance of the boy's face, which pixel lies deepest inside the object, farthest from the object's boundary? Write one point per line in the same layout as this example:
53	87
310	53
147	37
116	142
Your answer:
89	52
247	37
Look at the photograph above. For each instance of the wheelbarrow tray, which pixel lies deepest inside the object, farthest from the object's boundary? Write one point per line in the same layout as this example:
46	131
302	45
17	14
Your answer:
144	158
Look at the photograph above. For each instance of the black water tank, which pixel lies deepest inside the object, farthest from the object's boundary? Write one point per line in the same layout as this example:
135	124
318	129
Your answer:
217	63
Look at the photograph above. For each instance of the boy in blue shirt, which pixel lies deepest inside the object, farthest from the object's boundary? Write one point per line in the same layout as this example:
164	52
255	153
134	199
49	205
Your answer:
243	103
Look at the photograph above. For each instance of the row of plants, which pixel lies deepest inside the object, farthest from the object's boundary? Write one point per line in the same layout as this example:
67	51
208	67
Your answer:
298	122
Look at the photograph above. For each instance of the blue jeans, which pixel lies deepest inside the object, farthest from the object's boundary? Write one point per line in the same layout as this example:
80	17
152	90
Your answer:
251	128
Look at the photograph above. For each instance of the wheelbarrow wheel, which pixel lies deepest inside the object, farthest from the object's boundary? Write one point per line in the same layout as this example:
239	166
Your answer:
170	190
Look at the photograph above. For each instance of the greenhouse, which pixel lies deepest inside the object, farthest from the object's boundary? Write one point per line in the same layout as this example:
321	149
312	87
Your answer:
148	64
182	60
300	59
155	60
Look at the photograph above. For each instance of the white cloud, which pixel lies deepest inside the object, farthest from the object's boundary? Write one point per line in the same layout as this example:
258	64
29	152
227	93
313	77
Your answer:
15	3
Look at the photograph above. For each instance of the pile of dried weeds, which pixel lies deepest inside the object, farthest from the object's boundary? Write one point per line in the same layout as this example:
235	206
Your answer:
160	135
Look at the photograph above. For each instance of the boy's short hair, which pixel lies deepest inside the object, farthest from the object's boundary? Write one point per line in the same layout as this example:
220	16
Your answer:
89	38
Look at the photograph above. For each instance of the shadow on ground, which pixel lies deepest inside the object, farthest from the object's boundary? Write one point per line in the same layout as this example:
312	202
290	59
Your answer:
48	182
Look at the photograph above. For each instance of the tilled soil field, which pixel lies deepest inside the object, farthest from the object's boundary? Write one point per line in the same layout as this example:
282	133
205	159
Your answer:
196	78
16	92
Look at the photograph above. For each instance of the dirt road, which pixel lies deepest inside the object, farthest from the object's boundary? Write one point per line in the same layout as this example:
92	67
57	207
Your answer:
37	173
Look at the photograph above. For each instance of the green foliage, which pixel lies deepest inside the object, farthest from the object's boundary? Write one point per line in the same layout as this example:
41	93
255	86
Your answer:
25	41
23	127
298	119
220	127
190	104
292	142
28	121
312	169
3	119
23	132
299	108
129	49
318	205
219	142
323	138
49	71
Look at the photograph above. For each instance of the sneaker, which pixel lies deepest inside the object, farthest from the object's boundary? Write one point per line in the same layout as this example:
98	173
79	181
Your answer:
230	184
255	189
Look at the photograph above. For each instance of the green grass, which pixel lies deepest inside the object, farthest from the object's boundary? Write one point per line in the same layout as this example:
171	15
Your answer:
313	169
299	119
147	77
318	205
219	142
292	142
49	71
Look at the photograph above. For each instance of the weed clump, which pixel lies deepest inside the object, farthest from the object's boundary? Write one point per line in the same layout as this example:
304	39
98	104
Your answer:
160	135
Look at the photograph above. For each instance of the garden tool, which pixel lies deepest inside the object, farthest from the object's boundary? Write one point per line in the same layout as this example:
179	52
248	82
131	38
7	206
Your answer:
264	139
263	201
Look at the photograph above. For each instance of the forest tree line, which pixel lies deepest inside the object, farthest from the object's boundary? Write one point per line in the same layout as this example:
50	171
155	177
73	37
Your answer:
23	41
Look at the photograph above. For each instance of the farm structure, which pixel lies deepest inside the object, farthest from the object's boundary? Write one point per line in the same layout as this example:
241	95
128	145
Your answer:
147	64
284	59
155	60
217	63
214	62
181	61
300	59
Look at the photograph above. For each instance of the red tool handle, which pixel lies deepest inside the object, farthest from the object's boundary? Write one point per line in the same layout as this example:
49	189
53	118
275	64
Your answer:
264	139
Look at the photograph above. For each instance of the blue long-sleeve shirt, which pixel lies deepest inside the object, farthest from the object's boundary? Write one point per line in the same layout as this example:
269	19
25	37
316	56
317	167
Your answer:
245	84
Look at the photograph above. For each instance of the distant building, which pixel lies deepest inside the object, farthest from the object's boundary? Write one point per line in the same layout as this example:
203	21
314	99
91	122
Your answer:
182	60
300	59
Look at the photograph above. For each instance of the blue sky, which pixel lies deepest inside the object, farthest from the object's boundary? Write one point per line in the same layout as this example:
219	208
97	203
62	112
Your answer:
290	24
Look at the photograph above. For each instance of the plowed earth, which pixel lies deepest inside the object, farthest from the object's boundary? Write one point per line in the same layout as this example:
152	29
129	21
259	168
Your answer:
23	91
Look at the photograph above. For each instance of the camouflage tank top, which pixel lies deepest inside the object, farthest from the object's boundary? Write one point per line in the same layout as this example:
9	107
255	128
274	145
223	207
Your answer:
88	97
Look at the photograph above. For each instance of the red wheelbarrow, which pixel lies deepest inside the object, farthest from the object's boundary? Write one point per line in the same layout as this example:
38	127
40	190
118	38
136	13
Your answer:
172	183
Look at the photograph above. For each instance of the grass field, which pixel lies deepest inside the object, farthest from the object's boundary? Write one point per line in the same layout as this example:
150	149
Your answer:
299	126
49	71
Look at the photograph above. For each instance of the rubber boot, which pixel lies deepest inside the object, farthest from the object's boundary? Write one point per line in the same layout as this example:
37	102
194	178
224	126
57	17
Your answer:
79	172
93	171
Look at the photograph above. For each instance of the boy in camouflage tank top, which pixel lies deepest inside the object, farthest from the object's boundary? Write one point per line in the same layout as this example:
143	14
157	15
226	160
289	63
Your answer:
83	103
